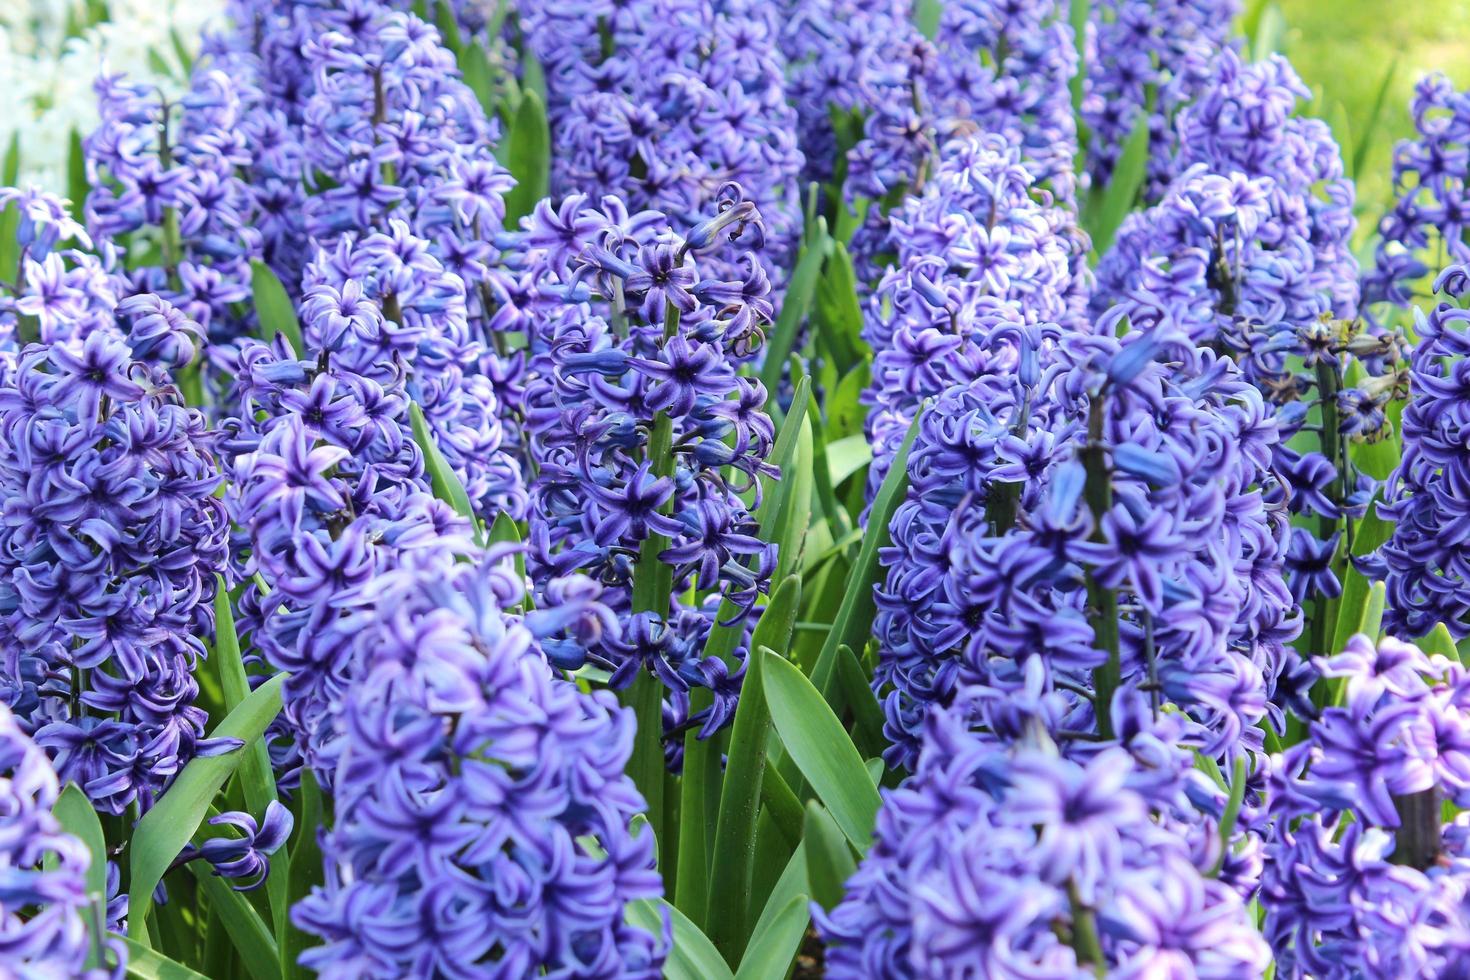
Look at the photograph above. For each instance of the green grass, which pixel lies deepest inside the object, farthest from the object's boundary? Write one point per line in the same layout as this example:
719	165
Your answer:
1342	48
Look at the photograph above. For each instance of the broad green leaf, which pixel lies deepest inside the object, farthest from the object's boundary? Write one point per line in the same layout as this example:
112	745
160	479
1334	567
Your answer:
1270	28
248	932
926	16
445	482
164	830
504	530
146	964
1439	641
273	307
527	155
533	76
858	696
854	620
734	849
448	25
1117	199
799	292
1372	625
791	883
181	52
795	515
820	747
845	411
693	957
480	77
846	456
257	777
78	817
839	313
829	861
1372	531
771	951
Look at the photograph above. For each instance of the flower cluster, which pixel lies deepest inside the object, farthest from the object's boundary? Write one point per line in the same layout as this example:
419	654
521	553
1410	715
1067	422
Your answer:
44	927
644	437
985	267
109	547
1249	252
170	168
663	102
481	811
1426	562
1021	863
1429	175
1145	60
1362	879
59	295
1123	485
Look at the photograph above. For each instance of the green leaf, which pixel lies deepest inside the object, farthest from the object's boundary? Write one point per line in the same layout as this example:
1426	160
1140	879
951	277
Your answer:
181	52
693	957
10	168
734	850
164	830
146	964
799	293
78	817
839	312
273	307
1368	136
247	930
474	65
533	76
257	777
858	696
816	741
773	949
504	530
846	456
1270	28
854	620
446	483
794	518
77	185
926	16
1109	209
1439	641
1372	625
527	155
448	26
845	411
829	860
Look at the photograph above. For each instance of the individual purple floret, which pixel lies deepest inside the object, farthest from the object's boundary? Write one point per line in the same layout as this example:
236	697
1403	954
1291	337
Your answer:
248	855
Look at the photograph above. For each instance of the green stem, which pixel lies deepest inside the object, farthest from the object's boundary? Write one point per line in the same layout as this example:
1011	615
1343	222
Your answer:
1084	932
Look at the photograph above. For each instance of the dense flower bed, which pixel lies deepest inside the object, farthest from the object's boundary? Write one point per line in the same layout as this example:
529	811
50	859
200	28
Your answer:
678	487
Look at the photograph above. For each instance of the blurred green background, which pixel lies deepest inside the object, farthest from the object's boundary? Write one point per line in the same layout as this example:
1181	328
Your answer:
1343	48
